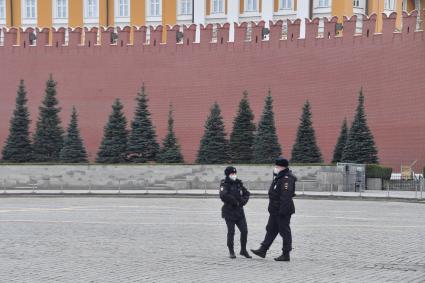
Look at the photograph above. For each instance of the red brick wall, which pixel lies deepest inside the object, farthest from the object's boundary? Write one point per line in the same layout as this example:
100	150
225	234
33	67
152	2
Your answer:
328	71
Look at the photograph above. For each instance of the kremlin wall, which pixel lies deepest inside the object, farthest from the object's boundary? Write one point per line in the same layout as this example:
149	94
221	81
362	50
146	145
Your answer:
327	70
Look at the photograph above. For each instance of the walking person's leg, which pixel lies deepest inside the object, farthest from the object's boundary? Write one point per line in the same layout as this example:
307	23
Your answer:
285	232
272	229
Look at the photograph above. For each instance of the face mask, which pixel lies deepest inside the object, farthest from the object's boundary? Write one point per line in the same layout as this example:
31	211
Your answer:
276	171
233	177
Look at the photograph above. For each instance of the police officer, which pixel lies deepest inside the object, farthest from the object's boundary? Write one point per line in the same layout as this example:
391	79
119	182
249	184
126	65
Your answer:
281	207
235	196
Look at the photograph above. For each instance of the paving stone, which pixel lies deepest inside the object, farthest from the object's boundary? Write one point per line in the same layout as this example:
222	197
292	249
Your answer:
184	240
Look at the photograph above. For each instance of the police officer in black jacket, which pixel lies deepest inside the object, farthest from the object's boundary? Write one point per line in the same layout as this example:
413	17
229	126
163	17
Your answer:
235	196
281	207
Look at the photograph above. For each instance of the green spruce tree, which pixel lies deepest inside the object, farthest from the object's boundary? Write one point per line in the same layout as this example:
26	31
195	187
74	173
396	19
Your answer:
214	147
305	149
342	141
266	145
170	151
142	145
113	148
48	137
18	144
242	136
360	147
73	150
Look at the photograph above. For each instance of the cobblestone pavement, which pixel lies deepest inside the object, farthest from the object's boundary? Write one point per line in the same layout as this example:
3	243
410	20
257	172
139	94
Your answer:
183	240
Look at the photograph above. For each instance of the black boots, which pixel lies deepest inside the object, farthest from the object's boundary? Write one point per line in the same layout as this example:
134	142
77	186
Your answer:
245	253
232	253
261	252
283	257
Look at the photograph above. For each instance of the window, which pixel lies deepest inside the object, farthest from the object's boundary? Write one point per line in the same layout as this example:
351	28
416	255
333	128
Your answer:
155	8
323	3
185	7
285	4
30	9
92	9
61	9
2	9
123	9
217	6
251	5
389	4
356	3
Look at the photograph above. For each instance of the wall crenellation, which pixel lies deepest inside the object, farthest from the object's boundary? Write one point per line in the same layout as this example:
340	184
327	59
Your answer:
146	37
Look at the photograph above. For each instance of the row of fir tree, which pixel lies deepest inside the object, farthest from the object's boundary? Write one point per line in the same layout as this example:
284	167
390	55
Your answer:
248	143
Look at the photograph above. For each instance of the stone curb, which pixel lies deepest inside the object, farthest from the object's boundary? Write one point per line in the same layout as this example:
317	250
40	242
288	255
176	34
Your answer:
186	195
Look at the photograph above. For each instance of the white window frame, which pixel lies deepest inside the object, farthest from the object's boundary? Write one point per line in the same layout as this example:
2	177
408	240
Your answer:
122	20
251	6
56	9
323	4
153	20
87	10
25	15
389	5
217	6
3	11
359	10
60	22
119	5
156	12
28	21
285	4
185	7
91	20
184	11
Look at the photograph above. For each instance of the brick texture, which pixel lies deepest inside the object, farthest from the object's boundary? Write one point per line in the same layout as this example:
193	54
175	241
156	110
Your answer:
327	71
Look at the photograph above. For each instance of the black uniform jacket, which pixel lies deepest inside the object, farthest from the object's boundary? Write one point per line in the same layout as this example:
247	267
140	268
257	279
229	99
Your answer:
281	192
235	196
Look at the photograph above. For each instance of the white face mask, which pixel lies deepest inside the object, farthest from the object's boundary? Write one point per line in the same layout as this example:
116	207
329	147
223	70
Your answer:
276	170
233	177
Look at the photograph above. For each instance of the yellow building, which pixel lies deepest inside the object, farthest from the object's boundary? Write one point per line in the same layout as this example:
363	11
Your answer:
89	13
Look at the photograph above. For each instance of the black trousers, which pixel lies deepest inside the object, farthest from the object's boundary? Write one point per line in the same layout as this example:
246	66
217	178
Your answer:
243	228
278	224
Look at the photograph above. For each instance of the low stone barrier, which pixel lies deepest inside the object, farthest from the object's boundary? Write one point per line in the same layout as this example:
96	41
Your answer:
145	176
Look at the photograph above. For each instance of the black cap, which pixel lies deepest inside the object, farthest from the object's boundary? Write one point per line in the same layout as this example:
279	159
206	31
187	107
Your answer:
230	170
280	161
